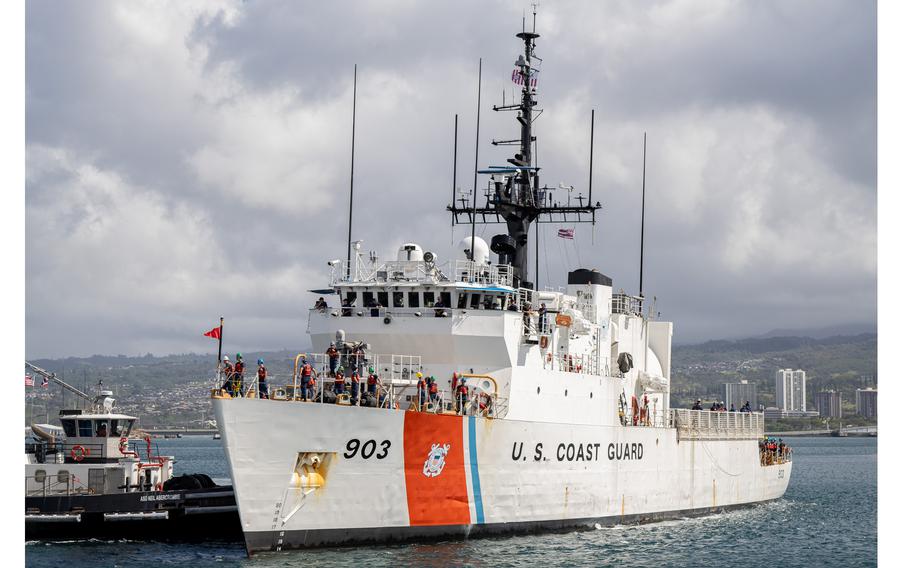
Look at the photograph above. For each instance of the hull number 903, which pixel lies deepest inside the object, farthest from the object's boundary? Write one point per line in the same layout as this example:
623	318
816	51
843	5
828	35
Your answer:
367	449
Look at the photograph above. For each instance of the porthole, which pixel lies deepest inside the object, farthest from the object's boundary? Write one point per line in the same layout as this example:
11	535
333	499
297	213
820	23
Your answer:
567	392
63	476
40	475
538	390
591	395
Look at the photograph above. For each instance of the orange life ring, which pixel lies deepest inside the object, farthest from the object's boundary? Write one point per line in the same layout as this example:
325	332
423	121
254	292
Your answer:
549	357
544	341
635	414
79	453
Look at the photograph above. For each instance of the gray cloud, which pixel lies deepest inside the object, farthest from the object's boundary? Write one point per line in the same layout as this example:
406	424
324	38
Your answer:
190	160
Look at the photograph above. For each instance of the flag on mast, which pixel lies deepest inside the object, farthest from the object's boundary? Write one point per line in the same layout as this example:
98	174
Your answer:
517	79
44	382
215	333
29	380
566	234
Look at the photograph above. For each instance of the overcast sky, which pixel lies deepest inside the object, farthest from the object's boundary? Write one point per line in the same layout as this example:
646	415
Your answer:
187	160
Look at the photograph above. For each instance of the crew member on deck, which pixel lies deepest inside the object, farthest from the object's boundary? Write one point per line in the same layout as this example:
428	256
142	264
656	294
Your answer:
697	405
434	390
462	397
355	387
228	371
372	382
440	308
339	382
542	319
421	391
261	374
333	356
307	384
238	375
321	305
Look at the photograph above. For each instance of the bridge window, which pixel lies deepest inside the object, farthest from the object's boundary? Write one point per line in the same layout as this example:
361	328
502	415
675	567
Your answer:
462	300
85	429
398	299
115	429
367	299
69	428
101	430
383	299
475	301
413	299
428	299
446	299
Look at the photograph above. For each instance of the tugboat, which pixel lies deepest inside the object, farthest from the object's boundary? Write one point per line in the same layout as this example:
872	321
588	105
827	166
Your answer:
87	479
551	410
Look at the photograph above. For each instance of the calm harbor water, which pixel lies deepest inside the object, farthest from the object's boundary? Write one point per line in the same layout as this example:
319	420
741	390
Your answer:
826	518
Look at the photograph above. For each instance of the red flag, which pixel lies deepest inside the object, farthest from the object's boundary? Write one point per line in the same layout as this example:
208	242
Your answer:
214	334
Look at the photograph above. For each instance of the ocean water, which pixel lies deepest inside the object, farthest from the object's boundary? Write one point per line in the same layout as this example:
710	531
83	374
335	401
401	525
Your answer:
826	518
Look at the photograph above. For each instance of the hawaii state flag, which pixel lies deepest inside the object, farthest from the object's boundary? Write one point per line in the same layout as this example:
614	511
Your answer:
214	334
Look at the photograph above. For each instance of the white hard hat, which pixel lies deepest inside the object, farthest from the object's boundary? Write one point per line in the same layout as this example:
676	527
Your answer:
226	358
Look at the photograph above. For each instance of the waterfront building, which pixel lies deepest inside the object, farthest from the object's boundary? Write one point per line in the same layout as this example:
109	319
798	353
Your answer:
867	402
736	394
829	404
791	390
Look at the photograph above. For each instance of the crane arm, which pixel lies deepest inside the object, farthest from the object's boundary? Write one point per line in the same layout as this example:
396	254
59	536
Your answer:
53	377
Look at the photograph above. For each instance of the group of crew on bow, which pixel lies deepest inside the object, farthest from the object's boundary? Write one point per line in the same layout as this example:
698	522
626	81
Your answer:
773	451
233	374
718	406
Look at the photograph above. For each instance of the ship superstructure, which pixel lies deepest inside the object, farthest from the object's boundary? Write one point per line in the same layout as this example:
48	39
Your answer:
551	410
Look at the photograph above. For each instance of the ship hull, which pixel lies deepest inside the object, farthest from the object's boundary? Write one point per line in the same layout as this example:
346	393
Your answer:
393	475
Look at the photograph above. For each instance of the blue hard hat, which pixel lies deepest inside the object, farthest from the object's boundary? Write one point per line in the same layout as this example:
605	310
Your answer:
260	362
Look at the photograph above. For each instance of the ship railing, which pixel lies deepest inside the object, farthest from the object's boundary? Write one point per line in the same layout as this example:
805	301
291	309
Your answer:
648	416
574	363
357	271
719	425
60	483
625	304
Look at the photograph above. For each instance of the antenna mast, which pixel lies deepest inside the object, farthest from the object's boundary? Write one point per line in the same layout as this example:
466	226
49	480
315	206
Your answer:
516	197
641	259
351	200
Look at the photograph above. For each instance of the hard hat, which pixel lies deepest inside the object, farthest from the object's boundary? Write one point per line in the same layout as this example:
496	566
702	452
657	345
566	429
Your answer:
260	362
371	369
240	356
226	358
419	375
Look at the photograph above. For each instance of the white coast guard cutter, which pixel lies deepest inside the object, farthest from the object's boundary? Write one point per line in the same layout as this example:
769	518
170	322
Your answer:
567	422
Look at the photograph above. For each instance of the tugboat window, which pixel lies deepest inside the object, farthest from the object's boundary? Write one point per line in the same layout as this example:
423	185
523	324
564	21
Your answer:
367	299
428	299
85	429
446	299
40	475
63	476
383	299
69	428
413	299
462	300
115	429
475	301
398	299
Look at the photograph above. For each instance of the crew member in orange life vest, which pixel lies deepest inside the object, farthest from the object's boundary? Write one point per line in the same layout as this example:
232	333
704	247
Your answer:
339	382
261	374
307	384
238	375
421	391
228	371
355	387
333	358
372	381
434	389
462	397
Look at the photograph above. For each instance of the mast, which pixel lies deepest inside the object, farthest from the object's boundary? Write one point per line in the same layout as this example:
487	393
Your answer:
515	196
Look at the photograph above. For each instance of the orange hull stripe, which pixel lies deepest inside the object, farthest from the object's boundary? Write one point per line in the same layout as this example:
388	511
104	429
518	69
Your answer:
440	498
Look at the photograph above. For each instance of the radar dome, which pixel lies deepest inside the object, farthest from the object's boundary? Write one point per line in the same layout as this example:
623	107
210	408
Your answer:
481	249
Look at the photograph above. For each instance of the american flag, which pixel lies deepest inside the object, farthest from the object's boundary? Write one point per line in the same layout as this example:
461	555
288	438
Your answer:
566	234
517	79
29	381
44	382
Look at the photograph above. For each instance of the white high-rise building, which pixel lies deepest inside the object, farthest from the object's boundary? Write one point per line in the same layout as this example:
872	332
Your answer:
791	390
867	402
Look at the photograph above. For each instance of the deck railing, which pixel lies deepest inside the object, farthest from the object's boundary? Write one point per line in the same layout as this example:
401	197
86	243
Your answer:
718	425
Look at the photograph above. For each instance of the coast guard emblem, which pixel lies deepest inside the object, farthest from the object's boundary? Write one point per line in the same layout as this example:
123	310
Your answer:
436	460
